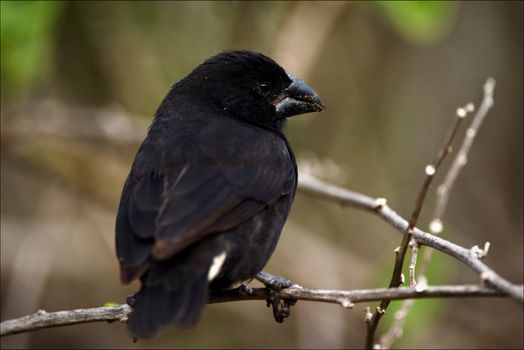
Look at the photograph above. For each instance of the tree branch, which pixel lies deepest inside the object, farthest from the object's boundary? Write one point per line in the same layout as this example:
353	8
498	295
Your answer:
494	285
400	253
378	206
42	319
436	226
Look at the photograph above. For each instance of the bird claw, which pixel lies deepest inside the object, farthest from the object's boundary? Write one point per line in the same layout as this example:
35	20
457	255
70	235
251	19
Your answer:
274	284
131	300
245	290
281	307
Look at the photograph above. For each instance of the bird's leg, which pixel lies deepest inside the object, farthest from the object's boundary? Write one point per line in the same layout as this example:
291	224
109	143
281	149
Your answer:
131	301
274	284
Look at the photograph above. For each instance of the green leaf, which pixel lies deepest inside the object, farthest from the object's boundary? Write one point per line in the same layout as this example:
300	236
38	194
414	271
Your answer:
420	22
111	304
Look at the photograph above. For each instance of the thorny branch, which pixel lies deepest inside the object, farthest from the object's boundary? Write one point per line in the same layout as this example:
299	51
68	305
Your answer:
42	319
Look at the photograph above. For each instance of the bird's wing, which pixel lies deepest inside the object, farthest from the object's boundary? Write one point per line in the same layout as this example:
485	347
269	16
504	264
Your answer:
168	212
204	201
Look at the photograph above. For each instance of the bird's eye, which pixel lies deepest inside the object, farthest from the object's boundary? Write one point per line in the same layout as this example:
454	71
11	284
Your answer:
264	88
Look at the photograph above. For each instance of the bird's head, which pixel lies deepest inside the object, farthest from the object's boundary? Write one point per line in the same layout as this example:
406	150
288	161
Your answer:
252	87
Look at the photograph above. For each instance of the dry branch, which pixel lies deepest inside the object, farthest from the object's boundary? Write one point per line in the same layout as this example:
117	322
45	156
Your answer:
400	253
436	224
492	284
314	186
42	319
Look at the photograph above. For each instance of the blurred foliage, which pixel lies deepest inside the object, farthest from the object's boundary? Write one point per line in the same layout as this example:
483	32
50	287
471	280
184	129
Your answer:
28	28
27	38
421	22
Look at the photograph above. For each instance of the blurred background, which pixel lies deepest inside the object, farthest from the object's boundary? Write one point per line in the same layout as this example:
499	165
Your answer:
80	82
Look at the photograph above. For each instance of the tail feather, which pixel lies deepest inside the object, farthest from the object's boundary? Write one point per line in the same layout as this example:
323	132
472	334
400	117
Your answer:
196	302
158	308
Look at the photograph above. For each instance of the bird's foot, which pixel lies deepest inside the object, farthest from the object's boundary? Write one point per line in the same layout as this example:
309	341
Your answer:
281	307
244	289
131	300
274	284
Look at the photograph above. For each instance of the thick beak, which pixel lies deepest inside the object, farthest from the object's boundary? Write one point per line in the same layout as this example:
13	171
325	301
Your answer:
298	98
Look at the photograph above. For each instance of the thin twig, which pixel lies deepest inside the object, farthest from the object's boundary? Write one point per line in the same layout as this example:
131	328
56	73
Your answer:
42	319
414	254
396	329
436	226
400	253
458	163
313	186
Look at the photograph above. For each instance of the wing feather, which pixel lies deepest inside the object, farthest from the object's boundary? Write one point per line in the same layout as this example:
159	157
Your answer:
162	213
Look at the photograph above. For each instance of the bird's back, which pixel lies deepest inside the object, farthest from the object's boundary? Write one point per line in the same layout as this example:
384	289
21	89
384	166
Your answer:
210	187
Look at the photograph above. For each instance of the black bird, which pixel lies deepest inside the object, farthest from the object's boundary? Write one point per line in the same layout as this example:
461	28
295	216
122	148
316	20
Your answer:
210	188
